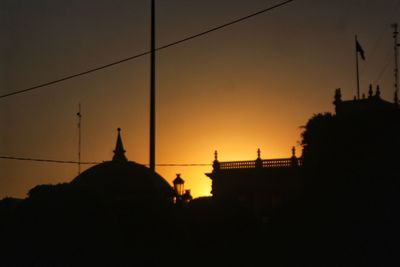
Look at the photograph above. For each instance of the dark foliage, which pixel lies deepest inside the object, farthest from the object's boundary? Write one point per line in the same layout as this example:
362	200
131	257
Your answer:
349	211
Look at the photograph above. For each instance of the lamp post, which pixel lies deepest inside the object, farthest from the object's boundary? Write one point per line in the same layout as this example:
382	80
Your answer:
179	185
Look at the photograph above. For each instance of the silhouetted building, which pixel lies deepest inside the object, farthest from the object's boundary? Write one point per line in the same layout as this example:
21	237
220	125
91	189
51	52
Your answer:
120	178
263	185
116	213
259	185
373	104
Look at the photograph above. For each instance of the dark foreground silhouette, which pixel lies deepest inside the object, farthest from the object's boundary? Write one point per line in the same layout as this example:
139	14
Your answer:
347	214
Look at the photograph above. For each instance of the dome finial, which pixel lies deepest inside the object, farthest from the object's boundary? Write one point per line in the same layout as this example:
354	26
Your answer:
259	162
119	152
370	93
338	96
216	162
378	91
294	160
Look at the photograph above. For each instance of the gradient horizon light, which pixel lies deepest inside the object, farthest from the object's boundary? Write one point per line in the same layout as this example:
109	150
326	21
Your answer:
252	85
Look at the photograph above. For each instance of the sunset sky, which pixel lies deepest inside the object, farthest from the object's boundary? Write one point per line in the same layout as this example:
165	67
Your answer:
251	85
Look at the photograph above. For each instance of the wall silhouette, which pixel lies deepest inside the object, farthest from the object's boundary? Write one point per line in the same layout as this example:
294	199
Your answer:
260	185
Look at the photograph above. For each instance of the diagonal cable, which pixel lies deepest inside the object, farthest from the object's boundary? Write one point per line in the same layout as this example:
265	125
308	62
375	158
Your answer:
96	162
145	53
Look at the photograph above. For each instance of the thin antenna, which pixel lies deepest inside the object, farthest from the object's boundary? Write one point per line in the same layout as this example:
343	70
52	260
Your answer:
396	63
79	114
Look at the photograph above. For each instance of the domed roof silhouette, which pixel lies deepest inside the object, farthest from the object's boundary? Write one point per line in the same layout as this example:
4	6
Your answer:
123	179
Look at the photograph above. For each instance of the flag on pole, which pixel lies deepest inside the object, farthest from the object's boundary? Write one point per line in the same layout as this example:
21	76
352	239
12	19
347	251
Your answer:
360	50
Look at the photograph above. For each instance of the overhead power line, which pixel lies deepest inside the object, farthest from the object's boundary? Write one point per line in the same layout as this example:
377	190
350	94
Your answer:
183	164
49	160
145	53
96	162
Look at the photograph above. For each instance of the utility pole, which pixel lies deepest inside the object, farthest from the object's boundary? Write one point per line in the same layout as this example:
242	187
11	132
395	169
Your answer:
396	63
79	114
152	90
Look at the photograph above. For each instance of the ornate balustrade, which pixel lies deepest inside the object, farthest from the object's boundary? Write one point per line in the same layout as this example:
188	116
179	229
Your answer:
271	163
266	163
248	164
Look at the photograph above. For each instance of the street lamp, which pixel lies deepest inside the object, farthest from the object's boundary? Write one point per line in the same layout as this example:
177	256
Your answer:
178	185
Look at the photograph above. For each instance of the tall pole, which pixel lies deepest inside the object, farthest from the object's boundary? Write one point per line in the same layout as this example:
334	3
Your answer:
152	90
396	63
79	114
358	76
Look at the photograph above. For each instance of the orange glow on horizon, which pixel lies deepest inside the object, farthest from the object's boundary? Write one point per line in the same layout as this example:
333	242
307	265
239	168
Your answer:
249	86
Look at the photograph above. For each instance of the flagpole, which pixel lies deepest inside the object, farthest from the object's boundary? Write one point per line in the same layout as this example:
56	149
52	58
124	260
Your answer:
358	76
79	114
